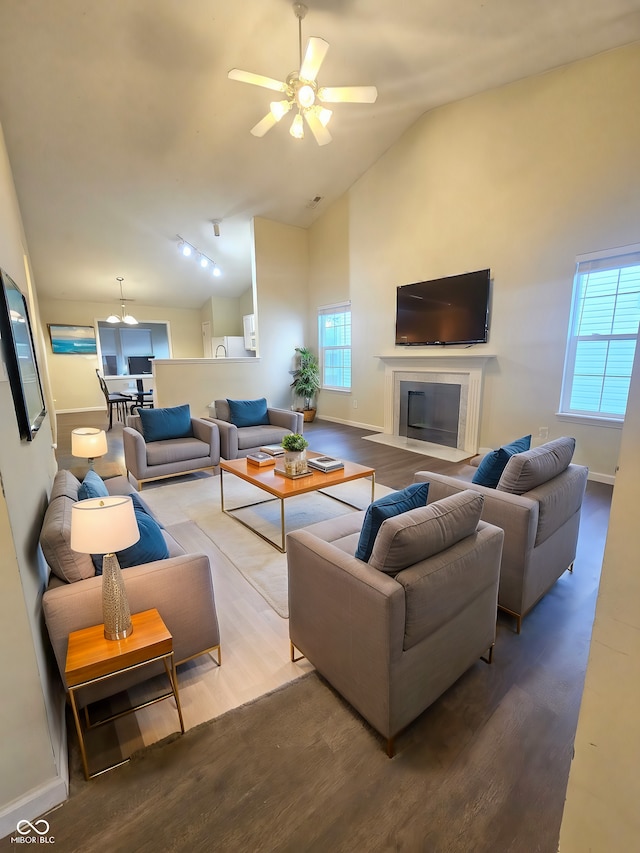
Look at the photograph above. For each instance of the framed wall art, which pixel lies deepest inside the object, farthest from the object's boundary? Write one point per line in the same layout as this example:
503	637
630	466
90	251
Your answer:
20	358
72	340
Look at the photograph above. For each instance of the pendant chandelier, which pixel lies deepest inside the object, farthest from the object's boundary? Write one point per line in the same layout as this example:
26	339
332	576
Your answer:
123	317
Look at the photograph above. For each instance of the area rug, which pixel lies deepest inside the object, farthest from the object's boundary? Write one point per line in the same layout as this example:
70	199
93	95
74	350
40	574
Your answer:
298	770
262	565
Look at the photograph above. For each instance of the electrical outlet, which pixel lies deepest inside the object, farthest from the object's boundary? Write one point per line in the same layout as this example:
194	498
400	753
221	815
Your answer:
543	433
355	404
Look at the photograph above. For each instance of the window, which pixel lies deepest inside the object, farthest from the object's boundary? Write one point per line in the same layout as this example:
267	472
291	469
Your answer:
334	340
120	344
603	331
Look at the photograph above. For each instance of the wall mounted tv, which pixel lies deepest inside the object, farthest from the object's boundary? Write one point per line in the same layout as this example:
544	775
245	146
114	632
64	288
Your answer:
451	310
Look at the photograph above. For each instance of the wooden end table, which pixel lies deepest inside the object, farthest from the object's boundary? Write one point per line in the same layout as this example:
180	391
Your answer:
92	658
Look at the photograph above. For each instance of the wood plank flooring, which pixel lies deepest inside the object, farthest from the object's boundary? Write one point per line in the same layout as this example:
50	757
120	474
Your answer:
525	705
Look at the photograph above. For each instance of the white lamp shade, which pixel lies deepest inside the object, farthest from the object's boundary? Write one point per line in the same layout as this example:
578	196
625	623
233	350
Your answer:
103	525
88	442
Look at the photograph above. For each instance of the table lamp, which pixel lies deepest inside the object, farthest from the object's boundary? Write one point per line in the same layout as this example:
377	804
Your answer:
88	442
103	526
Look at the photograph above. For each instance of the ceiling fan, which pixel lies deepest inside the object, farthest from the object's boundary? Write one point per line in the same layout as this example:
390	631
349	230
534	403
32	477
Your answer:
302	92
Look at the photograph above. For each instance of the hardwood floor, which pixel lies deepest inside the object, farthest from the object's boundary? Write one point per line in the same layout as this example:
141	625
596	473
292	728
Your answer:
519	718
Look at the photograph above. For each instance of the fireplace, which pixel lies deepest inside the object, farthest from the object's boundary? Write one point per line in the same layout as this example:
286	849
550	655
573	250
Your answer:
445	422
430	411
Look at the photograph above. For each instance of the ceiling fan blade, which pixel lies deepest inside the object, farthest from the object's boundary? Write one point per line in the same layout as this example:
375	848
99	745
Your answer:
264	124
313	58
257	80
348	94
320	132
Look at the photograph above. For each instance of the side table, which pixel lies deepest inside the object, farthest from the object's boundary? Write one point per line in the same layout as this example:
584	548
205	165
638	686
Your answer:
92	658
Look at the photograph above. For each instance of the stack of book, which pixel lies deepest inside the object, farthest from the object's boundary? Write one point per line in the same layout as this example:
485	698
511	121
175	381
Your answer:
259	458
325	463
273	449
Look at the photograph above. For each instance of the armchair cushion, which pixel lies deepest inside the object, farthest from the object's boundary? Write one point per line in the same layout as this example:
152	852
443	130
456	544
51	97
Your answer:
493	464
92	487
167	423
420	533
526	471
248	413
412	497
150	546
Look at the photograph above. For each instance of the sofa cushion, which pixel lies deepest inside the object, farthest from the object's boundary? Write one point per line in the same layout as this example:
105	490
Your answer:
528	470
248	413
167	423
251	437
55	536
493	464
92	487
385	507
176	450
416	535
150	546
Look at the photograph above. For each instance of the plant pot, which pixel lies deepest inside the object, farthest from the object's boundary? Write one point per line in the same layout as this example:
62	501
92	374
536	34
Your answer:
295	461
307	415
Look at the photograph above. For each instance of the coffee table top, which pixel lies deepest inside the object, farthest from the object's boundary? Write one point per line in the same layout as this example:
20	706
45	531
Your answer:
283	487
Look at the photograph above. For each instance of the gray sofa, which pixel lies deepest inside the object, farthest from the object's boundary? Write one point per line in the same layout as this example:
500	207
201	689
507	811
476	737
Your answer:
180	587
392	634
156	460
237	442
537	503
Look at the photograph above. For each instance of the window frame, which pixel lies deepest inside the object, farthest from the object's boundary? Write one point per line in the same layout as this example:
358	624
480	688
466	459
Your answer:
323	348
608	260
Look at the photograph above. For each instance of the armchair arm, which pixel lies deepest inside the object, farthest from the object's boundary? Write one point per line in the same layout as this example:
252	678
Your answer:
207	431
286	419
228	437
345	617
135	452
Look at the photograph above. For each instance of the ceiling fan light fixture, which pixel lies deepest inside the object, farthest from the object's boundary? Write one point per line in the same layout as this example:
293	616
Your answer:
305	96
297	127
324	115
279	109
124	317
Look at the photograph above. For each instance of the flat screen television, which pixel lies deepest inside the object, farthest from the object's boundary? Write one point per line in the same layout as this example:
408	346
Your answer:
451	310
139	364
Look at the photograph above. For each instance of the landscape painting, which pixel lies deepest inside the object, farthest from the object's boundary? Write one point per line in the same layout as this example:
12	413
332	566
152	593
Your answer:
72	340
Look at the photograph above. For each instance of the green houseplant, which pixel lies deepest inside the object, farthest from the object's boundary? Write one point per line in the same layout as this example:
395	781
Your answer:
295	457
306	380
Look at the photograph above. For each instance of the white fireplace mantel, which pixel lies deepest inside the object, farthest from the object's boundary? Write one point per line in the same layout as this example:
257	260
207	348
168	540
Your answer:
469	365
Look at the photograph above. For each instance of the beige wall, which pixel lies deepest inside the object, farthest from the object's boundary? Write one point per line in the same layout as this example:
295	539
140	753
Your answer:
32	752
521	180
73	377
601	812
281	272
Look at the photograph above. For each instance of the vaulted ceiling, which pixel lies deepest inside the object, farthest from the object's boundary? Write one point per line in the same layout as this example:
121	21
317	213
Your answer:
124	131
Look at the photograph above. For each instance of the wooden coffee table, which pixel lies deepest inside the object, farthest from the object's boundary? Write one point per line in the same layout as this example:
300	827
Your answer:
281	487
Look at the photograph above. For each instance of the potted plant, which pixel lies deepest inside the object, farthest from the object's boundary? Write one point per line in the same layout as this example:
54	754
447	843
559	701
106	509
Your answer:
295	457
306	381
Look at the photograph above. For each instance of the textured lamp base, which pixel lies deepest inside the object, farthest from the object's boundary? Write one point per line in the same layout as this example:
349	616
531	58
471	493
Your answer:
115	605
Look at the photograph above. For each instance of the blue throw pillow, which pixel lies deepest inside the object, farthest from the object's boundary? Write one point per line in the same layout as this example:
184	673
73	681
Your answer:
163	424
151	545
396	503
246	413
139	505
491	468
92	487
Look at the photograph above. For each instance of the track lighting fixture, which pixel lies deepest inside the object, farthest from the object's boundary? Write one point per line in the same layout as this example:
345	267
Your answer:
188	250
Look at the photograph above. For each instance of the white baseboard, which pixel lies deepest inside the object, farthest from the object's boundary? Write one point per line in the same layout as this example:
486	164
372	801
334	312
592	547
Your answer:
609	479
34	804
83	409
372	427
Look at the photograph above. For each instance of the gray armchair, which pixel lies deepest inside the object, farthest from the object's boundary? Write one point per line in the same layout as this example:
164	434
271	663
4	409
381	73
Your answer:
391	635
237	441
537	503
171	457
